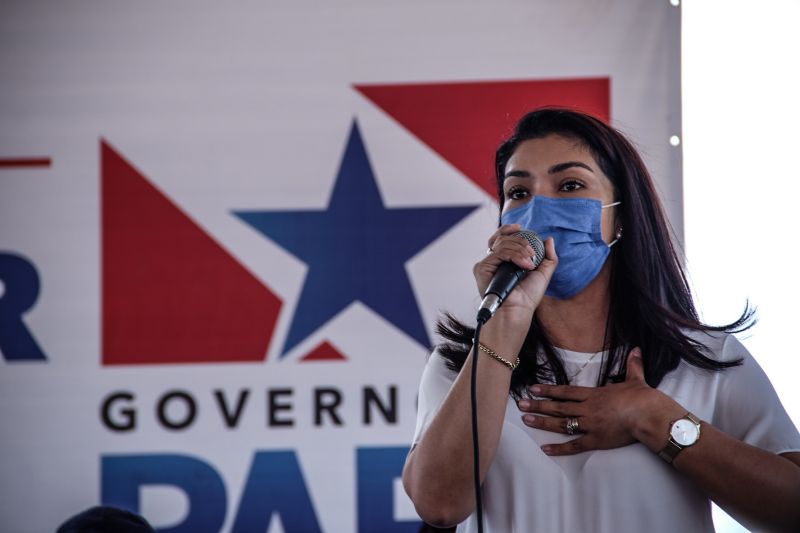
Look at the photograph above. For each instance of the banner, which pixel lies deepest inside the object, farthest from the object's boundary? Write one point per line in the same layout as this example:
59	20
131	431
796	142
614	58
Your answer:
227	232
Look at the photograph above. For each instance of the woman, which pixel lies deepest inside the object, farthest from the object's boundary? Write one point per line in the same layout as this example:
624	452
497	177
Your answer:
623	412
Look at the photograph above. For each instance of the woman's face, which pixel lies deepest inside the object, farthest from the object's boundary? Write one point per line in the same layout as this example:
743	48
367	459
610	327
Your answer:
557	167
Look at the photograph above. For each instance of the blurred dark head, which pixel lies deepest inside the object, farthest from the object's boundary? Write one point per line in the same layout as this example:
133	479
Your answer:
105	519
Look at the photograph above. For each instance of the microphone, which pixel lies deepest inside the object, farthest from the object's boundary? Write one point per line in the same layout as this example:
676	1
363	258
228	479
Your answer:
507	276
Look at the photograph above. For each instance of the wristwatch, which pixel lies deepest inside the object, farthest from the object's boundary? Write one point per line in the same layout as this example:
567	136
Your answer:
682	433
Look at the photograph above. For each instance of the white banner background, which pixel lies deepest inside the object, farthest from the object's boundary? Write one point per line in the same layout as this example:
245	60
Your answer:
248	107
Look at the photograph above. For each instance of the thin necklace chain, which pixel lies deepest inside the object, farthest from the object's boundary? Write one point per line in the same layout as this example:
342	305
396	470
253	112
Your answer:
576	374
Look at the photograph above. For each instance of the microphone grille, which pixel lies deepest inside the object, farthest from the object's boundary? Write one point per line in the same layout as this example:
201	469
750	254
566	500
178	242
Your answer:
536	243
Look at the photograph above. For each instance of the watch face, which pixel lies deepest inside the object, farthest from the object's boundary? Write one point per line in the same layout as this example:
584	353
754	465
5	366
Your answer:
684	432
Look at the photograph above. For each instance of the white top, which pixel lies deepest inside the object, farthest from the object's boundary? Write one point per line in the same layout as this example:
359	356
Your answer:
627	489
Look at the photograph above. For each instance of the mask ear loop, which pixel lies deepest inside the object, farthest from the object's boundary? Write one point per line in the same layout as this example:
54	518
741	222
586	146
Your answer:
618	236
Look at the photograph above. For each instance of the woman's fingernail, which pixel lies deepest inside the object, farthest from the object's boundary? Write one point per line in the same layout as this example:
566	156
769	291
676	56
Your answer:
524	404
536	389
547	449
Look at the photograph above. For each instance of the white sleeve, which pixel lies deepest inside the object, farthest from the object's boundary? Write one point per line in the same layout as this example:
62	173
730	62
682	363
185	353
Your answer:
433	387
748	407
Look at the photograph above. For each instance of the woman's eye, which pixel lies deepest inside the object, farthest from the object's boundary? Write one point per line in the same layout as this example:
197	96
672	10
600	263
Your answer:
516	193
571	186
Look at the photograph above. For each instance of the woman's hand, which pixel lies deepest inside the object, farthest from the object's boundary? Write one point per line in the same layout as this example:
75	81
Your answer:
505	245
607	416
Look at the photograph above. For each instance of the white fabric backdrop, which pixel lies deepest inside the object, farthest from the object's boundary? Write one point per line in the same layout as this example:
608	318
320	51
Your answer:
249	107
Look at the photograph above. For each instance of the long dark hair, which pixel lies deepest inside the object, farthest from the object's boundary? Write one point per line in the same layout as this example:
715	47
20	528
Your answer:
650	305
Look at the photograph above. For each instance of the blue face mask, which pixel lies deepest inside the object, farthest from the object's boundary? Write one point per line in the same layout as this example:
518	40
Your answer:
574	224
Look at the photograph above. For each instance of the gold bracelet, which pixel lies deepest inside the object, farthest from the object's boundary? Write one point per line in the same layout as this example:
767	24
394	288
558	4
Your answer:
494	355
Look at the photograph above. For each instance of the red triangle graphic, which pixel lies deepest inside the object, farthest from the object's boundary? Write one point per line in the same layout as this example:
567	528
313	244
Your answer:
325	352
171	293
465	122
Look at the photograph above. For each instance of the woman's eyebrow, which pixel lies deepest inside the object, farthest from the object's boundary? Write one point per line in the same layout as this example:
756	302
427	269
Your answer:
560	167
555	169
517	174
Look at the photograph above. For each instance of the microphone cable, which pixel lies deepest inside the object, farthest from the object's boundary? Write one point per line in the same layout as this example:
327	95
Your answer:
473	396
493	299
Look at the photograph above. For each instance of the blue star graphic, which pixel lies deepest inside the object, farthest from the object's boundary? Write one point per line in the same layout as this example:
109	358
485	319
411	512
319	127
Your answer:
356	249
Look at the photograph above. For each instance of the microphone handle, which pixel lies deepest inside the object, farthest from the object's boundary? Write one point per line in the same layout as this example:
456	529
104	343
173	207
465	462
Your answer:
507	277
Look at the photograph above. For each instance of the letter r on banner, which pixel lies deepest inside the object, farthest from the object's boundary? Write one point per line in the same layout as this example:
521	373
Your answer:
19	289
